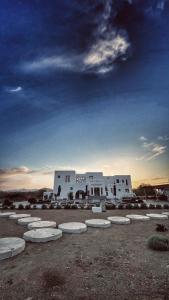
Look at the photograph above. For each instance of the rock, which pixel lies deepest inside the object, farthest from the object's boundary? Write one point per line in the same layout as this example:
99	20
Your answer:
6	214
157	216
119	220
73	227
18	216
138	217
11	246
42	235
42	224
101	223
26	221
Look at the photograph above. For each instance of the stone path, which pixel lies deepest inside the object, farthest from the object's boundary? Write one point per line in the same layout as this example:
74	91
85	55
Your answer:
26	221
18	216
158	216
98	223
138	217
119	220
73	227
41	224
11	246
42	235
6	214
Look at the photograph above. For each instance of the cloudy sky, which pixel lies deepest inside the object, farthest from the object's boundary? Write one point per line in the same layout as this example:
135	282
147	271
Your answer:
85	86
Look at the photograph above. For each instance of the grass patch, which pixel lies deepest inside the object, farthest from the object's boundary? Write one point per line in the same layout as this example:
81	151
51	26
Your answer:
158	242
52	278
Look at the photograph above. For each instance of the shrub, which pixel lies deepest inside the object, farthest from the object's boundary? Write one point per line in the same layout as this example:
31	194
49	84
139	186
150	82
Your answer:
58	206
110	206
158	206
136	206
151	206
12	206
27	206
161	228
67	206
51	206
143	206
34	207
74	206
44	206
158	242
7	203
121	206
165	206
129	206
20	206
52	278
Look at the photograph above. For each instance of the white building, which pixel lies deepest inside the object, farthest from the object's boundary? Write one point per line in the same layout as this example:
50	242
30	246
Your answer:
92	185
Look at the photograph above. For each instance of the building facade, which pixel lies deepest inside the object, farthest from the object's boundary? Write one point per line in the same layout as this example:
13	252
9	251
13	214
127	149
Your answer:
91	185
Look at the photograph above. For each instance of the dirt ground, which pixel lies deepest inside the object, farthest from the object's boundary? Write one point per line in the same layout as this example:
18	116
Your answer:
100	264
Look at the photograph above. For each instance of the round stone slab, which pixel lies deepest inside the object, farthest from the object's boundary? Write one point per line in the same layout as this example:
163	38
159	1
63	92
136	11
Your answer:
42	235
158	216
98	223
138	217
11	246
119	220
166	213
73	227
18	216
42	224
26	221
6	214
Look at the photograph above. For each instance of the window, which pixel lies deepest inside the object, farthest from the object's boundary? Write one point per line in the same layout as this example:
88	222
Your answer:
90	177
101	191
107	194
58	176
126	182
117	180
106	189
71	188
127	190
67	178
119	190
91	191
122	180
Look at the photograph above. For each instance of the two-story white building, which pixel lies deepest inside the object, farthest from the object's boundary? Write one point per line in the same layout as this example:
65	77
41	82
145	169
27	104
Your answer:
92	185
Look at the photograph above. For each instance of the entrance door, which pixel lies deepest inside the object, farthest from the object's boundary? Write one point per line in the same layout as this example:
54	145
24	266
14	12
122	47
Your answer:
97	191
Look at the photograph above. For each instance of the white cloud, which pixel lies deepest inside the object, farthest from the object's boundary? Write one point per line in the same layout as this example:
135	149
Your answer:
15	89
163	138
142	138
151	150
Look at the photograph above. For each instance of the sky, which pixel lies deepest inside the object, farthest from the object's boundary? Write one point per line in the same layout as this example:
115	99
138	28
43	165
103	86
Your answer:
84	86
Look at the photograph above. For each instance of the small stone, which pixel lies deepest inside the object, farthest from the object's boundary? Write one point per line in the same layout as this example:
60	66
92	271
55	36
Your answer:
73	227
42	235
101	223
26	221
119	220
6	214
158	216
42	224
18	216
11	246
138	217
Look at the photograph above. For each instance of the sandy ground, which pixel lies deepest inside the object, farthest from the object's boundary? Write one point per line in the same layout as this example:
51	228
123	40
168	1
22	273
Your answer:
112	263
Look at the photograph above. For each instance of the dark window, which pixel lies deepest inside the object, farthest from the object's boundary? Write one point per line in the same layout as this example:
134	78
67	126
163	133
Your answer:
119	190
101	191
106	189
71	188
58	176
106	193
122	180
126	182
117	180
91	191
67	178
91	177
127	190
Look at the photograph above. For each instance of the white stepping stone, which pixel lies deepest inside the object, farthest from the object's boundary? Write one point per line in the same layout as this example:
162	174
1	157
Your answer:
6	214
26	221
166	213
158	216
11	246
42	235
73	227
98	223
138	217
18	216
42	224
119	220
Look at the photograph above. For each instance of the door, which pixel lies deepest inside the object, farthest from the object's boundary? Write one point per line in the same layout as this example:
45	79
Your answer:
97	191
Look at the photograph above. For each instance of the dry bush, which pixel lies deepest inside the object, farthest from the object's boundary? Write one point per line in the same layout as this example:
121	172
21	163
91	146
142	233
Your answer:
158	242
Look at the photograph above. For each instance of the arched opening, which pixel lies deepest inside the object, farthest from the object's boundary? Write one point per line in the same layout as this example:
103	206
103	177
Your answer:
80	194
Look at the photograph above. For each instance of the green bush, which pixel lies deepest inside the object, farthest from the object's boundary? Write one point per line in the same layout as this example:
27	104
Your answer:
44	206
143	206
151	206
20	206
129	206
120	206
158	242
158	206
